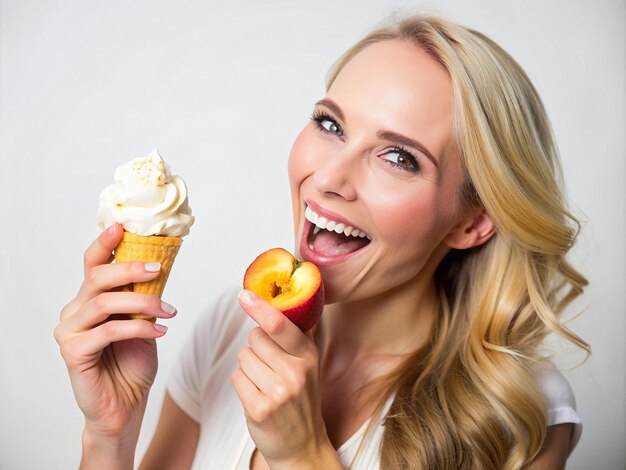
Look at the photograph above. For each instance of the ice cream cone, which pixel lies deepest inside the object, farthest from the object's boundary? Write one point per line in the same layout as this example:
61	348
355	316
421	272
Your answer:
148	248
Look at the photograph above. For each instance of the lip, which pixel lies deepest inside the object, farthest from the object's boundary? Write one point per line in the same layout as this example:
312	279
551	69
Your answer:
319	210
309	255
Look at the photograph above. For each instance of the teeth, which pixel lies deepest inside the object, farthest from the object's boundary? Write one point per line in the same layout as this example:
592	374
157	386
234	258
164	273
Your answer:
310	215
322	223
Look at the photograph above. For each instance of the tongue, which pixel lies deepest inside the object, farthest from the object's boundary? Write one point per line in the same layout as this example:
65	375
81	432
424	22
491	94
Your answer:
333	244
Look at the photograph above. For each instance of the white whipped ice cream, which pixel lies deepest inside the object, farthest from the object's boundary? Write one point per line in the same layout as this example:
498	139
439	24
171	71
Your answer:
146	199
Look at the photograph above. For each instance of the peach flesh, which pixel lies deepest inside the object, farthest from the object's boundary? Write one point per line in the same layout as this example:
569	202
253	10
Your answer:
293	287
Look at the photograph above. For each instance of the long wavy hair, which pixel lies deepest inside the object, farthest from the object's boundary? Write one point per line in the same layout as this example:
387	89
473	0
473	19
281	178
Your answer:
469	399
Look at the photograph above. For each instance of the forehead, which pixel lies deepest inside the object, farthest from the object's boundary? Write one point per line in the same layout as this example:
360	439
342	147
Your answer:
397	70
396	85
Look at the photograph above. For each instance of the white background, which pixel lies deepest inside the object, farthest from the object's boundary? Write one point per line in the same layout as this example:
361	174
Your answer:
222	88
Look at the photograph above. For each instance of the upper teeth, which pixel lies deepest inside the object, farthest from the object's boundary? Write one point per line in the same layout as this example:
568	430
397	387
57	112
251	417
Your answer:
332	226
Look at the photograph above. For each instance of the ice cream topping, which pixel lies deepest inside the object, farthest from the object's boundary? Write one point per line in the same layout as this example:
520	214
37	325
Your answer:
146	199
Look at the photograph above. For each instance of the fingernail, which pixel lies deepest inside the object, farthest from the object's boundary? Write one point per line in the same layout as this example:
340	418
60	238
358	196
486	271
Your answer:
152	267
245	297
111	229
167	308
160	328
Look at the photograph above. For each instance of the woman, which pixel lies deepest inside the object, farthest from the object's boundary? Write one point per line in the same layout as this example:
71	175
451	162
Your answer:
432	141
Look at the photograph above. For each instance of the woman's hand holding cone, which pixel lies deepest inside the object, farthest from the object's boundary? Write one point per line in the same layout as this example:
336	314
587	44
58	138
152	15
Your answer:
111	361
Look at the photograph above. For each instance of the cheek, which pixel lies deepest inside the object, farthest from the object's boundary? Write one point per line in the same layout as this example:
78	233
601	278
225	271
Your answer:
411	226
415	215
405	221
301	158
409	237
304	158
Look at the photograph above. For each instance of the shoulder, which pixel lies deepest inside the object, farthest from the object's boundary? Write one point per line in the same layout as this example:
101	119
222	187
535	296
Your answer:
559	398
220	308
558	394
219	327
222	320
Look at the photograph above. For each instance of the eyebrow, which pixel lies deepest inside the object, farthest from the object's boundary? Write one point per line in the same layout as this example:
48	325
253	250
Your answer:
333	107
384	135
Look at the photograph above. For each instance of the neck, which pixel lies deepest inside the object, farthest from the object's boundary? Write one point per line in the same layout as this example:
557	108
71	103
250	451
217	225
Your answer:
377	327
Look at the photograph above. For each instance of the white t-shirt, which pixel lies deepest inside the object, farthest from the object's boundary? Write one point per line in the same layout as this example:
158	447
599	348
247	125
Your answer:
201	386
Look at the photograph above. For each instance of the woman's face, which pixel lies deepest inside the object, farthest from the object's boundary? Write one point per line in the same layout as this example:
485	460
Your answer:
378	156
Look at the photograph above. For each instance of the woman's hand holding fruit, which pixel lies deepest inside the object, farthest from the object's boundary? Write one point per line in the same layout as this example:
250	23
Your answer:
278	385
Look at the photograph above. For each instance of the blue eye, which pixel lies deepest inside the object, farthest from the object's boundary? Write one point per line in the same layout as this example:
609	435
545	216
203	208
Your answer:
327	124
402	159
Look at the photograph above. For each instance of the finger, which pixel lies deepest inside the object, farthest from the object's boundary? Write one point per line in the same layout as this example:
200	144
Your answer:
286	334
259	373
105	277
254	402
92	342
100	251
102	306
268	351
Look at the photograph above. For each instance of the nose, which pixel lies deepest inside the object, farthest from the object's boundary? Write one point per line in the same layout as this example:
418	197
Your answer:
337	174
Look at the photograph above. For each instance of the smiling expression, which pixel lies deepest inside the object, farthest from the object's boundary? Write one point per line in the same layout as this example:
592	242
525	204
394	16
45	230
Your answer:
377	171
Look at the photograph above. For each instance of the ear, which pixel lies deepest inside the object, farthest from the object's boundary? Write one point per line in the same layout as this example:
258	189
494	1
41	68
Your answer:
475	229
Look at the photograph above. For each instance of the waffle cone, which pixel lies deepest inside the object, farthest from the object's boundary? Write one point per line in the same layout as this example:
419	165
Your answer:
148	248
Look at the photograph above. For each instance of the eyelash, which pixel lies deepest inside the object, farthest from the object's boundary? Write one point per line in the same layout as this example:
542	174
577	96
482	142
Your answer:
415	166
319	116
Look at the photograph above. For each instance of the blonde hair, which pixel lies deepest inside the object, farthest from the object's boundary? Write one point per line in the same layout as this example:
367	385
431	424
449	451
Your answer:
469	399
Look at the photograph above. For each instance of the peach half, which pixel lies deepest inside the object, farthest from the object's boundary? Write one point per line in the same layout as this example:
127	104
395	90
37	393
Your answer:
293	287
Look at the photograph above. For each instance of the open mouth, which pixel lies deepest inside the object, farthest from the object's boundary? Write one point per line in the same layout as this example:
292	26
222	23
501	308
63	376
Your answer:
329	240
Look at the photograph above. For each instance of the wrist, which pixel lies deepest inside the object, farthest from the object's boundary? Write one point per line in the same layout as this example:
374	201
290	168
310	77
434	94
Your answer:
325	456
111	447
107	452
